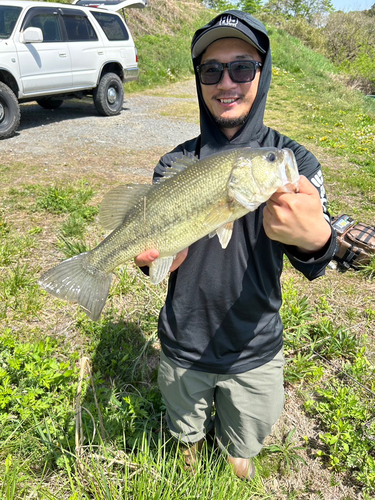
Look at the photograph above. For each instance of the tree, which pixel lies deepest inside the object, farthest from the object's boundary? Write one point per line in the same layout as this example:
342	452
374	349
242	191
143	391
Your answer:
250	6
350	35
311	10
370	12
220	5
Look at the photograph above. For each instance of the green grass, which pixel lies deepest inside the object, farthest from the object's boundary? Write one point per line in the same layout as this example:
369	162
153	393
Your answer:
133	453
38	392
165	58
331	115
308	103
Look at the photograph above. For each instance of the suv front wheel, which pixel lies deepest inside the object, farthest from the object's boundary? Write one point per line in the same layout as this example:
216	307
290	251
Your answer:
109	95
9	112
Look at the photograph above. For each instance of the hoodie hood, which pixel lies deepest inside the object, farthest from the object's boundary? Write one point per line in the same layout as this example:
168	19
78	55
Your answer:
253	31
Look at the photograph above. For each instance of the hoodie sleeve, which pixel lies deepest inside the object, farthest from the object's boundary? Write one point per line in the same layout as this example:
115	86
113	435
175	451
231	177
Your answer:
311	265
188	148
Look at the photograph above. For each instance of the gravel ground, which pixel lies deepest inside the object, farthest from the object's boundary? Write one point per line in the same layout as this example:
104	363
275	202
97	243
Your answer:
75	138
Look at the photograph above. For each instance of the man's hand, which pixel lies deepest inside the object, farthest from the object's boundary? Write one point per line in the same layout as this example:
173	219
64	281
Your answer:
297	218
146	258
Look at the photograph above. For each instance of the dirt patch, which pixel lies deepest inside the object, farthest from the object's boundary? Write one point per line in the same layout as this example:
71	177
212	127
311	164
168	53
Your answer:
74	141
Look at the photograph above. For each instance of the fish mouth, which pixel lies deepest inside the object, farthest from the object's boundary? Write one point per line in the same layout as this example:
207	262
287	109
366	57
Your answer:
291	170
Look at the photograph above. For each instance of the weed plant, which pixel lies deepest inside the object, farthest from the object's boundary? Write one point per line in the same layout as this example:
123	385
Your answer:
72	199
289	451
14	246
368	270
19	293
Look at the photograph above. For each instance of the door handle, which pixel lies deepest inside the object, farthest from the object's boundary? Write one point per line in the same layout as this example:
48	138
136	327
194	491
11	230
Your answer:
62	54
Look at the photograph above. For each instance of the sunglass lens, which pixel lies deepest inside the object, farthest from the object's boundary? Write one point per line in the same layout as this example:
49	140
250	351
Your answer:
211	73
242	72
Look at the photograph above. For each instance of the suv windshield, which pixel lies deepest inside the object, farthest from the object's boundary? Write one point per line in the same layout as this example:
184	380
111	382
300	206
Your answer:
8	18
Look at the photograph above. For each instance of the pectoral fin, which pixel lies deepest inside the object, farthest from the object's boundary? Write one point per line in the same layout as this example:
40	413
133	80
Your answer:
224	234
160	268
219	215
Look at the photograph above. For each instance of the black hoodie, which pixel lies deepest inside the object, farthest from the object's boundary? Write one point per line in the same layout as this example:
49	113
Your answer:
221	313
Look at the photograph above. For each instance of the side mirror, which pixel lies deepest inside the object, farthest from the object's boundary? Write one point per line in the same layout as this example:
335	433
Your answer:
32	35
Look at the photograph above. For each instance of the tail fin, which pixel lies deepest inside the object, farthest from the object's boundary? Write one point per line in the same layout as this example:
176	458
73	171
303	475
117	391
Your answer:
76	280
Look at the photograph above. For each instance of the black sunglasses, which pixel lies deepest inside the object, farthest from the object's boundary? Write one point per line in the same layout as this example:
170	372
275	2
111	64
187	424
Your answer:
239	71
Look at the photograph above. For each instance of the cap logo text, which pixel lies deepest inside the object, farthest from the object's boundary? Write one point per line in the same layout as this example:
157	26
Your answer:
228	20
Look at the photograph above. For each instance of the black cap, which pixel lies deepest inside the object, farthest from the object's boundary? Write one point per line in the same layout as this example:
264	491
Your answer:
227	26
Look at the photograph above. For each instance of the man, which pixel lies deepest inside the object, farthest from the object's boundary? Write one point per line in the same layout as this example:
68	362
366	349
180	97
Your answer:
220	329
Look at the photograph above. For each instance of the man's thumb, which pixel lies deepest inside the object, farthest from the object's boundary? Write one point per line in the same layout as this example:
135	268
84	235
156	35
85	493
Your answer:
305	186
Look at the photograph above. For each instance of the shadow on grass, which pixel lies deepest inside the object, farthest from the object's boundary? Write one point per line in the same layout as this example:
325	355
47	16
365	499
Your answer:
124	393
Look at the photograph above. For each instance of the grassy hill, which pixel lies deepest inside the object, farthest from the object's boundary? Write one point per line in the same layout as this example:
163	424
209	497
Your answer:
80	412
162	34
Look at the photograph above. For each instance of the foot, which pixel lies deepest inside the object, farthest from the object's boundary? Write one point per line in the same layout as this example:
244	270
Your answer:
244	468
191	452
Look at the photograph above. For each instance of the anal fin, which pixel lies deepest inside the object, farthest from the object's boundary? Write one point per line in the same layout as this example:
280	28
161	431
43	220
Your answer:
160	268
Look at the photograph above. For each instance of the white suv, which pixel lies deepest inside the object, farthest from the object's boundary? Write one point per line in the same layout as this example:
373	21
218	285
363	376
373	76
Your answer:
53	51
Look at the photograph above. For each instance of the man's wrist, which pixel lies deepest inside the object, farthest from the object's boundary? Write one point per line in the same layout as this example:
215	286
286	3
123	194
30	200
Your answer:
319	244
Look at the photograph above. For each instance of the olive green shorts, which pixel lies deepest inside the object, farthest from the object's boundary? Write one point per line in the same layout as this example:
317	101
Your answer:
245	405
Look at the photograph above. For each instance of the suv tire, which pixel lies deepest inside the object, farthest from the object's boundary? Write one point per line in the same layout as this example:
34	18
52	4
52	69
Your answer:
9	112
109	95
50	103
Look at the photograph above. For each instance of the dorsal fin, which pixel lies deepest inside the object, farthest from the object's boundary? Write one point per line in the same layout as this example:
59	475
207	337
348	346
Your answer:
178	166
118	202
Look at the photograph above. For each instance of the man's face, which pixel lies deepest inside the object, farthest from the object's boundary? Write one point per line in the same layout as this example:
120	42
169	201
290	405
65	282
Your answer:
230	102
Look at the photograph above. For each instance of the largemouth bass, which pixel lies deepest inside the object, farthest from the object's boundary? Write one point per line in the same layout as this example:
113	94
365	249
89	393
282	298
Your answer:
195	198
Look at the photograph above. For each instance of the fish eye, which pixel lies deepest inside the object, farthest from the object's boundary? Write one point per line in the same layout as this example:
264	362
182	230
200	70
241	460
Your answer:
271	157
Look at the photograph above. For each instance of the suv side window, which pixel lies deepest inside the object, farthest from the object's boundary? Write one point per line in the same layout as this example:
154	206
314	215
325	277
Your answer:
8	19
49	24
112	26
79	29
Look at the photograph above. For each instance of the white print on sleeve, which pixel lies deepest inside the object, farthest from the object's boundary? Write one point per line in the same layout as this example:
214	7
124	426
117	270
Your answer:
317	181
